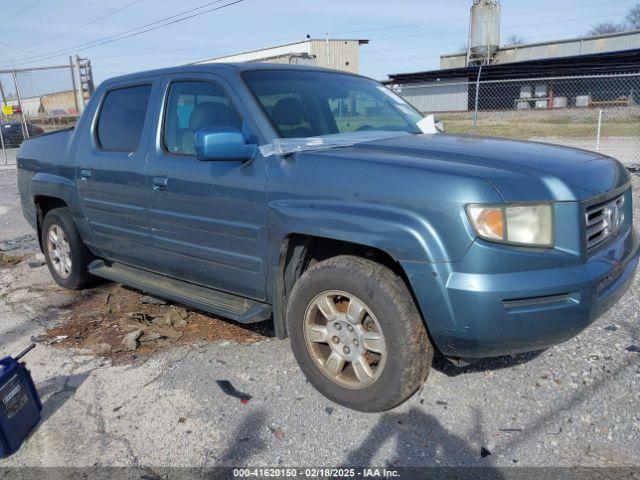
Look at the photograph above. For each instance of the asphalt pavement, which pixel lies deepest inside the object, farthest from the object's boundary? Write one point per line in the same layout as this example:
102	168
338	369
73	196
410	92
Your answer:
574	404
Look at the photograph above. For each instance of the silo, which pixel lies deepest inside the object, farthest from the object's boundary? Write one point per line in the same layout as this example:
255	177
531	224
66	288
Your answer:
484	31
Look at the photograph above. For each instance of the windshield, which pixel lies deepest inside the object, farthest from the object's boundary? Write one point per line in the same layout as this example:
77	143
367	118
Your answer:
304	104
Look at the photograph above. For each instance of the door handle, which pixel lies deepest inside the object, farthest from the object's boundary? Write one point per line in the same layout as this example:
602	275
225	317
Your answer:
85	174
160	184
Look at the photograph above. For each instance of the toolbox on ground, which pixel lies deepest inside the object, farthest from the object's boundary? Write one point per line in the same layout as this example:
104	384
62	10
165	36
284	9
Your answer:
20	404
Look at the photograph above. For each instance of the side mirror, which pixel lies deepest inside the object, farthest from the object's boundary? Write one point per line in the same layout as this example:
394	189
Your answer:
222	144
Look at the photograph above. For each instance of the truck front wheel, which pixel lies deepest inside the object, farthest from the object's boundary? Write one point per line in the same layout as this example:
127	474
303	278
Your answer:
67	256
357	334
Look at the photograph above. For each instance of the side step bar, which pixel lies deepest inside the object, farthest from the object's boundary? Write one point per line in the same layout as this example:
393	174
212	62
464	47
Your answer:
236	308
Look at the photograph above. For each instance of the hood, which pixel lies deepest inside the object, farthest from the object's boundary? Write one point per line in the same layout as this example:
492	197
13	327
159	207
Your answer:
519	171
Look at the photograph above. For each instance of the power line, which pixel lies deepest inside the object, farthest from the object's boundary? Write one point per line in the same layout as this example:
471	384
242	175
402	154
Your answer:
164	22
510	28
440	22
11	17
293	39
80	45
181	60
421	47
90	22
136	31
17	14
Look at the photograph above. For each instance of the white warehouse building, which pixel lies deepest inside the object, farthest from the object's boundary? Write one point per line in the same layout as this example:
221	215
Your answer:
337	54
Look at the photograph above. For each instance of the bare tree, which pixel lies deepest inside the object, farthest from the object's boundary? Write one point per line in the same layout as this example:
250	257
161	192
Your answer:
633	17
514	40
604	28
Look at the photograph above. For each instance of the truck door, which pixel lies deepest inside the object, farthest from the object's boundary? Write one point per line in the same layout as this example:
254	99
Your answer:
208	218
110	172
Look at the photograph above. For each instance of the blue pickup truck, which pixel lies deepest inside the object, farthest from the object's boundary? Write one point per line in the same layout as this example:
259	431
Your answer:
318	201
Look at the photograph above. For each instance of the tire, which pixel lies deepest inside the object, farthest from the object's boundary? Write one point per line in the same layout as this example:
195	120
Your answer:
73	274
390	314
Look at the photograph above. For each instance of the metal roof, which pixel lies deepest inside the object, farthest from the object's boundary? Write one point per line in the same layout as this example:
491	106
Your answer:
626	61
276	47
561	41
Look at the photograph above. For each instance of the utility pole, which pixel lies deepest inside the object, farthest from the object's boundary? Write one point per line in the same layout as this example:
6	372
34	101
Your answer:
86	79
74	85
328	53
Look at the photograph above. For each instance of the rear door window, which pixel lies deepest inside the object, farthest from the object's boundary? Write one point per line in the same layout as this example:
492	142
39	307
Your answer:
121	118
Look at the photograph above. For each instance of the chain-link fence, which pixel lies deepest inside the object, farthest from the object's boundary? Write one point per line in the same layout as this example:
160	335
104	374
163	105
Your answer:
595	112
35	101
600	113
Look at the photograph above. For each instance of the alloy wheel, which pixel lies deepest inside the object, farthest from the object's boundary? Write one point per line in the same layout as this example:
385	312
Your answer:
59	251
345	339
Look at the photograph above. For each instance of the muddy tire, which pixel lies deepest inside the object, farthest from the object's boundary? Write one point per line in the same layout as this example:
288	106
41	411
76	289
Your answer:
67	256
357	334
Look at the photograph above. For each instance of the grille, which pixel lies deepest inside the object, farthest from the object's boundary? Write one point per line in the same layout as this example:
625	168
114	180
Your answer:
603	220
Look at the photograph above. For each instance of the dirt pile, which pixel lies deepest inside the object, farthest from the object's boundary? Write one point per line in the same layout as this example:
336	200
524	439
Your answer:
115	321
10	261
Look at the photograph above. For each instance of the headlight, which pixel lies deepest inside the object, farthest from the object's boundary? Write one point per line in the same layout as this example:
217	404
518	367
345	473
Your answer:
530	225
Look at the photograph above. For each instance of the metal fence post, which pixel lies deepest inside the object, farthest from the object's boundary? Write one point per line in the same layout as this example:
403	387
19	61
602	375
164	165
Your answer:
599	130
4	102
4	150
24	120
475	110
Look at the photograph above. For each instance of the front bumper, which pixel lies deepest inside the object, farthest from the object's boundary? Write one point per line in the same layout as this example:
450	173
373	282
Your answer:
473	315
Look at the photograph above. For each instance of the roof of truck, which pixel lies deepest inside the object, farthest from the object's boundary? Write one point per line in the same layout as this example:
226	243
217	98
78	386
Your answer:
217	67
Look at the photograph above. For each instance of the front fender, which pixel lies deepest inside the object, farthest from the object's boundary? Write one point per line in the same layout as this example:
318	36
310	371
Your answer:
404	235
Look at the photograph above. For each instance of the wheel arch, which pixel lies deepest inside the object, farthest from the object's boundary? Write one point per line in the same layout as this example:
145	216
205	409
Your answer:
391	234
50	191
300	251
44	204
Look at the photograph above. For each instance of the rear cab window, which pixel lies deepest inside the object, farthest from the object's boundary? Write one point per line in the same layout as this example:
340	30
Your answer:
121	118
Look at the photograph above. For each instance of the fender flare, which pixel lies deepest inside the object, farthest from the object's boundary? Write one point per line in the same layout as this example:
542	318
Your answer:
403	235
56	186
65	189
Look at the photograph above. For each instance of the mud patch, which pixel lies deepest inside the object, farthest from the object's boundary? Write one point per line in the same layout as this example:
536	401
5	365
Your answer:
10	261
99	321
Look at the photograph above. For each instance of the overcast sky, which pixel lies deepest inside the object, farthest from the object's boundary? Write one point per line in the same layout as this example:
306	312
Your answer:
406	35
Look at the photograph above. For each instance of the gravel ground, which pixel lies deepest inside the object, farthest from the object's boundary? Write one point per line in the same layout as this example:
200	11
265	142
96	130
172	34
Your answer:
575	404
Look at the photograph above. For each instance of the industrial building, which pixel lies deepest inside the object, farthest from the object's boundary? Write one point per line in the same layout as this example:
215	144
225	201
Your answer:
572	47
551	67
550	83
337	54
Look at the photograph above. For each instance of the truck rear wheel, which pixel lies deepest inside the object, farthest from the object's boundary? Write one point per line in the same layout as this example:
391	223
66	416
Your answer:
357	334
67	256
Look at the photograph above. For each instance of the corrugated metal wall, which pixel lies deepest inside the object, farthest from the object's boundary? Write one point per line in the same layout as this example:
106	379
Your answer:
449	96
343	55
569	48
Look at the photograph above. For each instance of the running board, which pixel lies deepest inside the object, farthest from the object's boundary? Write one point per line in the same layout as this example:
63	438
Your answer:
236	308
